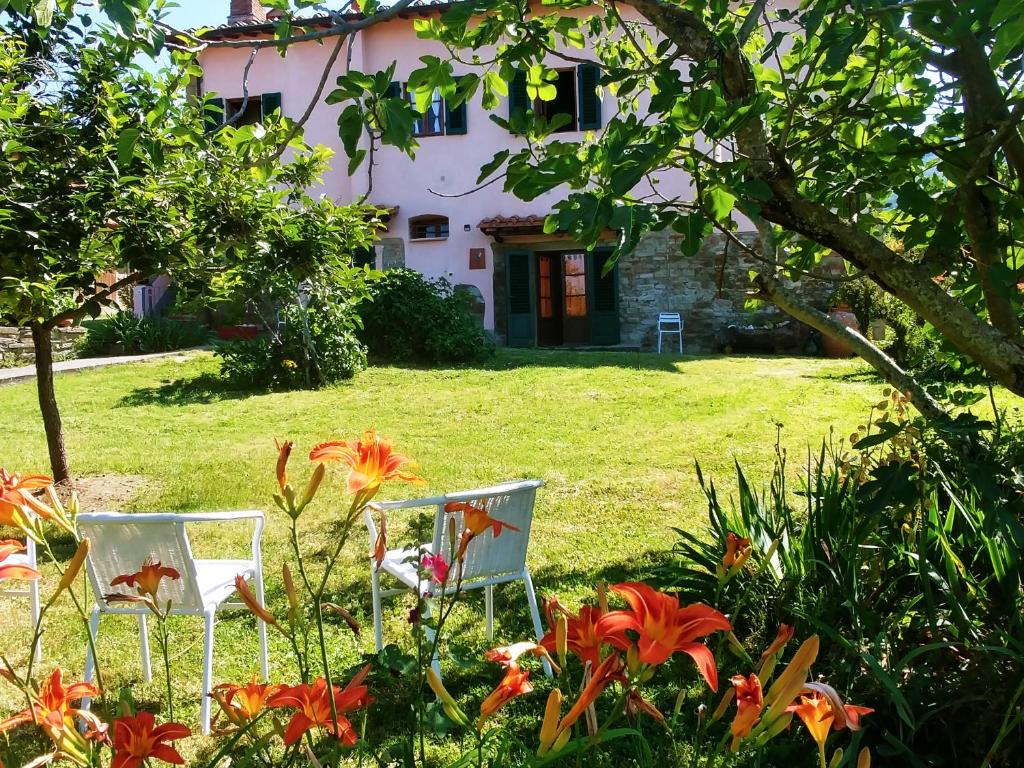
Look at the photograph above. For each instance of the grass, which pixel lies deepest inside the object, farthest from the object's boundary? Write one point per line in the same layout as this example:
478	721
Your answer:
613	435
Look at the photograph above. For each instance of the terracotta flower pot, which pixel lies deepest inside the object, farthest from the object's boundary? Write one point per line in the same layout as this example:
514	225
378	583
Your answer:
833	348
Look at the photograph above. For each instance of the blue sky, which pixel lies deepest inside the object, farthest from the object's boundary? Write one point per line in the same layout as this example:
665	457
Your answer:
199	13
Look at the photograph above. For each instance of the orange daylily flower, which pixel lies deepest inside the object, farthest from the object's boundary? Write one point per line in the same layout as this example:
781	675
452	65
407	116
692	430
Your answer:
581	631
284	451
241	703
609	671
242	588
475	521
313	708
749	705
147	581
737	551
515	683
508	655
15	495
823	710
664	627
17	571
371	461
782	637
138	739
51	710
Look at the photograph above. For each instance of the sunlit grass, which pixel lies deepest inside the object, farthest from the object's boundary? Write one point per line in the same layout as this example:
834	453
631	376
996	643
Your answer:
614	436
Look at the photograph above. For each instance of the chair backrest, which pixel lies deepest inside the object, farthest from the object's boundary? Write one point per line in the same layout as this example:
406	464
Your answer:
670	321
122	542
489	555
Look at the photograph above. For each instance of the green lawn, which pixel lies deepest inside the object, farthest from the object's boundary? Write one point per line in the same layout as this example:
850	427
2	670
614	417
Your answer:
614	436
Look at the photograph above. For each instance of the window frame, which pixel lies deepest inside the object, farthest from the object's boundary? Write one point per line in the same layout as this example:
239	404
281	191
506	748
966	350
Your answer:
539	106
442	222
420	123
233	106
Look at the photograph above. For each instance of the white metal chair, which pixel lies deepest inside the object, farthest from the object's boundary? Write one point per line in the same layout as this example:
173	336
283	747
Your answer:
31	588
489	560
669	323
120	544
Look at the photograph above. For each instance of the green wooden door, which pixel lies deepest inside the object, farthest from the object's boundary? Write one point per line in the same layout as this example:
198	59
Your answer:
604	304
522	302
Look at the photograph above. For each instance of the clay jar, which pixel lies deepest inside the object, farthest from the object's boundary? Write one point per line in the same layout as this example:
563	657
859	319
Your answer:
833	348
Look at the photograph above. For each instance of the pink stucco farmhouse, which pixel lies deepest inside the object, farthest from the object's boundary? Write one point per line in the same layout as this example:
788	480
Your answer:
535	289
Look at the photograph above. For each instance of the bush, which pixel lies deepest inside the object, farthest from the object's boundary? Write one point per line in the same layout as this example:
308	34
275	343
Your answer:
906	341
415	320
905	553
126	334
315	347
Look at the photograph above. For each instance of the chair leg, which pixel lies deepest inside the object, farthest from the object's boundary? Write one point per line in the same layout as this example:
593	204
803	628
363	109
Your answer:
538	628
378	621
680	342
489	610
208	620
33	590
90	662
147	667
659	342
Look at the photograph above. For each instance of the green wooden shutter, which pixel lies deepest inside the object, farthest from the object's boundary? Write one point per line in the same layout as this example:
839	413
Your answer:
213	114
522	314
455	117
588	77
604	314
518	98
270	102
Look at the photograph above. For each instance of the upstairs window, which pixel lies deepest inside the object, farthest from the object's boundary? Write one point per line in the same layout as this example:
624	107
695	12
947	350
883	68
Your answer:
428	227
253	110
440	119
576	97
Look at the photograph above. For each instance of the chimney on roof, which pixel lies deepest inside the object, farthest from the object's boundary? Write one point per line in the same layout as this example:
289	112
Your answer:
247	12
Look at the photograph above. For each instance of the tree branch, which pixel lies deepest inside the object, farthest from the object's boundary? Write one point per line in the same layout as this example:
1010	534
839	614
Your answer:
94	301
793	305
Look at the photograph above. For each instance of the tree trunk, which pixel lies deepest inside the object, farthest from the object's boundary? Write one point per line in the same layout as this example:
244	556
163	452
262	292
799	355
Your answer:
43	344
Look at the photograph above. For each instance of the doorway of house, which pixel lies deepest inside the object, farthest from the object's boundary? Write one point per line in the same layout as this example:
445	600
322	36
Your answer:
563	315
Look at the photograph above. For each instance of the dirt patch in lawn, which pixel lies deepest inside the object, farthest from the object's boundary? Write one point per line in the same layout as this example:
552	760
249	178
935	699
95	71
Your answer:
110	492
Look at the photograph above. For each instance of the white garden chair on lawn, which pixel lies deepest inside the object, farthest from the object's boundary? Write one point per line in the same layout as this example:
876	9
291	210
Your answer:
489	560
670	323
31	588
120	544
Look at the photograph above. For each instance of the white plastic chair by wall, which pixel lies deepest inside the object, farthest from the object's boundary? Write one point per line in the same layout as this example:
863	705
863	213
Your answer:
670	323
122	542
29	589
489	560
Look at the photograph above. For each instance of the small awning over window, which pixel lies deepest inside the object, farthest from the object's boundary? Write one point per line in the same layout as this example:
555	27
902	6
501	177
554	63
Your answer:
502	226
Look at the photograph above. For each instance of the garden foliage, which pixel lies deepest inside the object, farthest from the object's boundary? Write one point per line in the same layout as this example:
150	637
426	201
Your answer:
125	333
904	552
412	319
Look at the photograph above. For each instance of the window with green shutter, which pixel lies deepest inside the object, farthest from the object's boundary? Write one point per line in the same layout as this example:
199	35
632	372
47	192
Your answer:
213	114
588	78
270	102
522	331
455	117
518	99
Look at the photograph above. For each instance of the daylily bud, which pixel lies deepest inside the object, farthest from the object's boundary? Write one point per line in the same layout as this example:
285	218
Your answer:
864	758
453	537
347	617
633	663
313	485
736	646
73	569
723	705
837	758
73	505
562	740
284	451
602	597
549	728
562	638
791	681
289	590
680	698
451	708
250	601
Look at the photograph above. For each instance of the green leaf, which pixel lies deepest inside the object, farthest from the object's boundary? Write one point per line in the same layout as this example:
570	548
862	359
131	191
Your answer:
720	201
492	165
694	228
126	145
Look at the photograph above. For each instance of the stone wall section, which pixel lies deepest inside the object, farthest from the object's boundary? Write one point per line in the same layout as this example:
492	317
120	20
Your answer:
709	289
16	343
